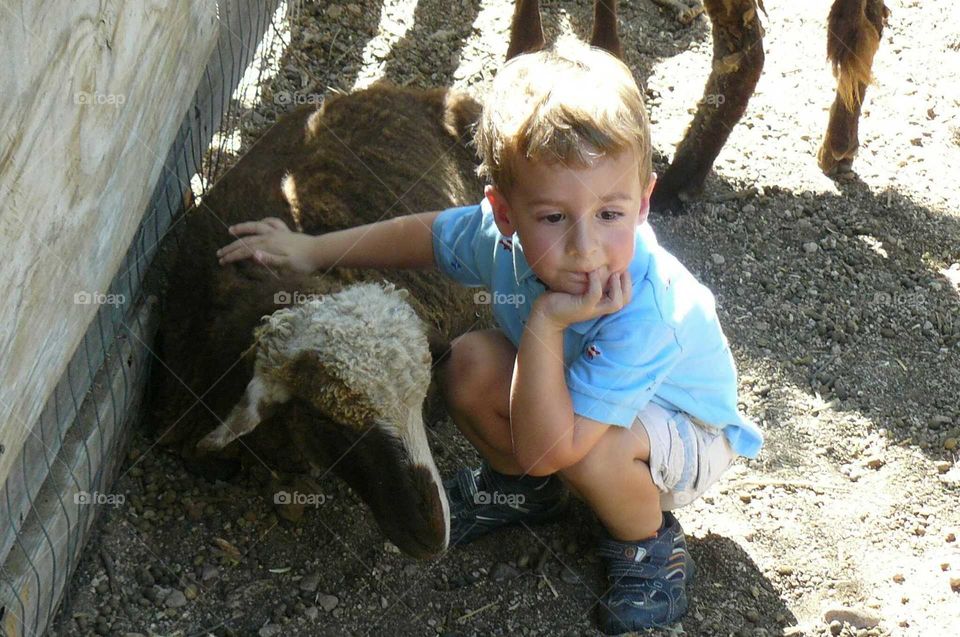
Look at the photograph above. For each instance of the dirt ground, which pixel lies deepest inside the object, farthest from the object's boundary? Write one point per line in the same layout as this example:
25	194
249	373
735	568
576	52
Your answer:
840	302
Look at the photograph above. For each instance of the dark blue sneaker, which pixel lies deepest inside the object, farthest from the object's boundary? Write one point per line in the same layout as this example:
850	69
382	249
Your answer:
483	500
647	580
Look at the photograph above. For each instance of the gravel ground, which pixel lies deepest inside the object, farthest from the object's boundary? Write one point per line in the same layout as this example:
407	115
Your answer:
840	301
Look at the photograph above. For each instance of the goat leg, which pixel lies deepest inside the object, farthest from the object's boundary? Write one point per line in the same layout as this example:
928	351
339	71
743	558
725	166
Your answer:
853	37
605	34
526	30
737	63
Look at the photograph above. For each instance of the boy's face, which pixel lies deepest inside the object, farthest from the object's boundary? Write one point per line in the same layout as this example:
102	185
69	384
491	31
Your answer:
572	220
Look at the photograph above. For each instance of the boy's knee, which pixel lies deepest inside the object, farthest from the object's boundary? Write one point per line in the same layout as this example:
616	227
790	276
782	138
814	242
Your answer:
472	369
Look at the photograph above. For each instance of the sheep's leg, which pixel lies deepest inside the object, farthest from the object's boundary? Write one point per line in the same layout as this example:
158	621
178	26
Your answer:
605	34
526	30
853	37
685	12
737	62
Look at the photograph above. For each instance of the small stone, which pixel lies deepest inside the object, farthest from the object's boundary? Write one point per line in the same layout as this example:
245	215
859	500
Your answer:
942	466
190	591
835	627
951	537
328	602
950	444
874	462
502	571
746	498
270	630
784	569
334	11
208	572
176	599
955	584
717	259
311	612
810	247
749	209
899	578
859	618
310	582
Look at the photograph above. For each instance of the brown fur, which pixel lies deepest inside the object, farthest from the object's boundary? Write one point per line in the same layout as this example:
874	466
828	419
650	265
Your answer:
379	153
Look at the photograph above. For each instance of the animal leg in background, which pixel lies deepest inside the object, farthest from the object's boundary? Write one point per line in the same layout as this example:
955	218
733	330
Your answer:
526	29
853	37
737	63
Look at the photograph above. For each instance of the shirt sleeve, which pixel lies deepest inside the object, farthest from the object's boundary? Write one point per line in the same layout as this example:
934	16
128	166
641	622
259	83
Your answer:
614	377
458	237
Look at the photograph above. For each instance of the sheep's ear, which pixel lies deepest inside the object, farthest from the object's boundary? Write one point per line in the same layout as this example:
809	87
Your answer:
254	406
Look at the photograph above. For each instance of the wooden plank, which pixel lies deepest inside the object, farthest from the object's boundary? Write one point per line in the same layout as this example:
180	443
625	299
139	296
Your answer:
41	446
94	92
35	571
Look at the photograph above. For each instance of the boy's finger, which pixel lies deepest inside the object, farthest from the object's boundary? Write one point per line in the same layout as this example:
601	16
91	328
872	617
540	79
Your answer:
595	289
235	255
250	242
616	293
627	285
267	259
250	227
276	224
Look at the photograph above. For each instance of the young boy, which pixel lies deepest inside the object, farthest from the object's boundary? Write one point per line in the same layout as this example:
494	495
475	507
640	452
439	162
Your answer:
609	373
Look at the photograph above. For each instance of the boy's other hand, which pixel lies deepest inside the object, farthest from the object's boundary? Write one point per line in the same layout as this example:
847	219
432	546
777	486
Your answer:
601	298
271	243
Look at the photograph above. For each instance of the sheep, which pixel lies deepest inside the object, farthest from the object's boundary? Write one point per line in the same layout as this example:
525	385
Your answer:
338	378
854	28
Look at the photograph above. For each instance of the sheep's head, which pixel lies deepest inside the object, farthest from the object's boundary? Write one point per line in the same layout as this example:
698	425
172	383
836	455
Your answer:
356	366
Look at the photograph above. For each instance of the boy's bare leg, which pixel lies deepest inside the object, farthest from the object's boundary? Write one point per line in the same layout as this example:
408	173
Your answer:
614	480
475	381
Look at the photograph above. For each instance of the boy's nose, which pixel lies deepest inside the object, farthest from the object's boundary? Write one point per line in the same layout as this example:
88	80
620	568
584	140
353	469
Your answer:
581	241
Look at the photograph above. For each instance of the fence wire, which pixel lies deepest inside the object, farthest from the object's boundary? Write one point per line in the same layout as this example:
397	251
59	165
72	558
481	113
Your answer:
73	447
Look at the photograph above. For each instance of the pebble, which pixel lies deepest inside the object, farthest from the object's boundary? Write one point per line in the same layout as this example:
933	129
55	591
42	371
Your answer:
270	630
942	466
950	444
190	591
502	571
875	462
208	572
955	584
810	247
859	618
717	259
784	569
310	582
328	602
311	612
176	599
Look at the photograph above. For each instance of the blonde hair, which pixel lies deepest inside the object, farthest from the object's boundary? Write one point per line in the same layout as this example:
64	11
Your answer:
570	103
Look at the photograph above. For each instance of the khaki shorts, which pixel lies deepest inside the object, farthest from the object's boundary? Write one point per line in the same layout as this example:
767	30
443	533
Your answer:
686	456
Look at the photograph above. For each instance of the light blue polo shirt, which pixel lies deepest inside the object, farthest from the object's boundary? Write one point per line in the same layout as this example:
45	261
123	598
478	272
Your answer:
666	345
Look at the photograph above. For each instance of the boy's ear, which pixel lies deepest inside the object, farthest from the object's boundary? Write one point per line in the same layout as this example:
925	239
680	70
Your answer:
502	215
645	201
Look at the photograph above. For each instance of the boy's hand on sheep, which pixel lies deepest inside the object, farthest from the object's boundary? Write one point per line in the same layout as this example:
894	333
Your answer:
563	309
271	243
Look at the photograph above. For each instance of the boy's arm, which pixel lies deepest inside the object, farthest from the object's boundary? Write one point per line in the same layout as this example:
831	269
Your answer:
401	242
547	435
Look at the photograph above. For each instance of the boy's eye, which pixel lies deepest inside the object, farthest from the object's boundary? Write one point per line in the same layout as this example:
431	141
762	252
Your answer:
610	215
554	218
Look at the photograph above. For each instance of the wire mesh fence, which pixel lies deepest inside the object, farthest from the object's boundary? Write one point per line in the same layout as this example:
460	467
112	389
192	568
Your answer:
73	451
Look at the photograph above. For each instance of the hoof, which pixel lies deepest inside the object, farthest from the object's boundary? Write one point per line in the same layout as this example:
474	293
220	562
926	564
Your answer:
665	202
